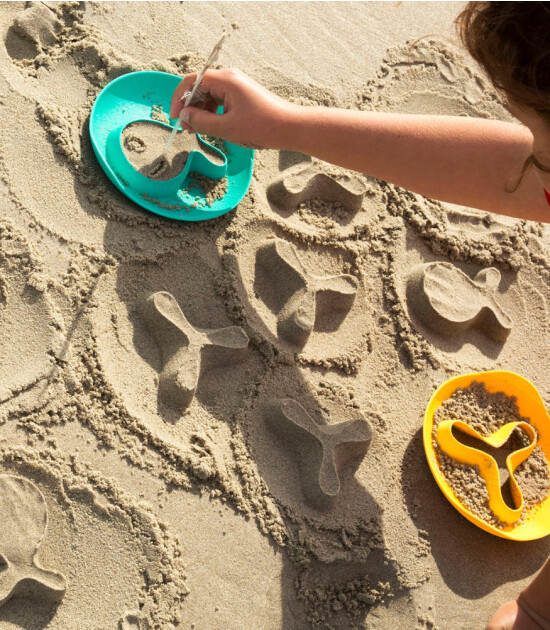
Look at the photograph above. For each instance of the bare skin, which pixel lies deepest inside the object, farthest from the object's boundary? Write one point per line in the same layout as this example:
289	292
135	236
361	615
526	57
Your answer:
511	617
466	161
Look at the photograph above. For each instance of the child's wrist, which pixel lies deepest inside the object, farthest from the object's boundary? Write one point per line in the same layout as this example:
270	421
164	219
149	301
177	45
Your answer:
288	129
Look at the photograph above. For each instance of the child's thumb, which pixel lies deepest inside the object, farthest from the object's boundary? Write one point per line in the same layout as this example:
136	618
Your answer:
203	121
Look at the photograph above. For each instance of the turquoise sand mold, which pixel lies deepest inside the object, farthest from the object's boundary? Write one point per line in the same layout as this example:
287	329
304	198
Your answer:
130	99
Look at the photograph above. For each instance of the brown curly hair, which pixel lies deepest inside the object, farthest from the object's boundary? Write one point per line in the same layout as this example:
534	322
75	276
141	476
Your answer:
511	42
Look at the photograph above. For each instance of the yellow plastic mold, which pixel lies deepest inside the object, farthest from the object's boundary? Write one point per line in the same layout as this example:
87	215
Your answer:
536	523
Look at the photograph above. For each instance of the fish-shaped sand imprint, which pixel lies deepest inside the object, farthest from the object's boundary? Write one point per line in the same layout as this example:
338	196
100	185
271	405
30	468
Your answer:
182	346
23	521
449	302
308	181
322	449
296	319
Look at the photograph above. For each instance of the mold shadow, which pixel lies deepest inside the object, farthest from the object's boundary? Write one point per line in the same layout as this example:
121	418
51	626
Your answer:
28	614
18	47
275	283
365	559
452	345
292	293
457	545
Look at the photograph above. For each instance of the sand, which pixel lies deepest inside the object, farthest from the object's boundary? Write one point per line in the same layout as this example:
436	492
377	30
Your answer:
143	144
172	496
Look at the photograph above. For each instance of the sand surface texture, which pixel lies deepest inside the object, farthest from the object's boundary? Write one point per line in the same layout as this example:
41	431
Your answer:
144	142
218	425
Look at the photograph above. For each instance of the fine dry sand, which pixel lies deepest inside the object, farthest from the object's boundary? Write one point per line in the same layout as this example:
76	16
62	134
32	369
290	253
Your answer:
170	391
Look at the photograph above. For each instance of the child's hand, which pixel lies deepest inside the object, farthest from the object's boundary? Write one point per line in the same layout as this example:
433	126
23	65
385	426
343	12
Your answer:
253	116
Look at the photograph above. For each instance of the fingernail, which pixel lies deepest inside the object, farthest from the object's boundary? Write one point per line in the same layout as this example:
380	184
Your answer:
185	115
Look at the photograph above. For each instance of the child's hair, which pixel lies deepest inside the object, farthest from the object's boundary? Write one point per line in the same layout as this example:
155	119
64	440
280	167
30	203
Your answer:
511	42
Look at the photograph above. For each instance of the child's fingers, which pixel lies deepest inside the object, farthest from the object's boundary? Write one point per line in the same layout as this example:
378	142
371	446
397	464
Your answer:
214	85
203	121
176	103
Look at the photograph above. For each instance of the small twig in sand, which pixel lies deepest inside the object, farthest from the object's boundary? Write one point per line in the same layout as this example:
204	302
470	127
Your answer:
189	95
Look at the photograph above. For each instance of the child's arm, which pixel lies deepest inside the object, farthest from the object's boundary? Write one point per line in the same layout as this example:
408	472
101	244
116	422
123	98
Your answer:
530	611
466	161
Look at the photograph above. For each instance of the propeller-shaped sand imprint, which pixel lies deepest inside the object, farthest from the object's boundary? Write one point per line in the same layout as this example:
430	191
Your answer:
322	449
449	302
308	181
182	346
24	517
296	319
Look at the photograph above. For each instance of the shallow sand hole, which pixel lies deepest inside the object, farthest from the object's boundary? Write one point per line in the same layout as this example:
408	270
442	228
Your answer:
143	143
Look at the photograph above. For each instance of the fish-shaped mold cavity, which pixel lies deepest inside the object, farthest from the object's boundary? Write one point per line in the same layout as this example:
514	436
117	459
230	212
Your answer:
24	517
449	302
142	143
308	181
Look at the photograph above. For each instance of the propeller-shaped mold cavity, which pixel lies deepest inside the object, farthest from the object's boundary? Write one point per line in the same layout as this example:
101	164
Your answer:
322	450
297	315
182	346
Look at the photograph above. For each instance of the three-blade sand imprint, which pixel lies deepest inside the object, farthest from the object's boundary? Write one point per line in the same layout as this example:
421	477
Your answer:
24	517
182	347
308	181
322	450
449	302
296	319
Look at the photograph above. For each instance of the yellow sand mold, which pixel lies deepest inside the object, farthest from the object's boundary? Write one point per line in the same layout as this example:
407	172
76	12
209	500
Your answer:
488	467
536	521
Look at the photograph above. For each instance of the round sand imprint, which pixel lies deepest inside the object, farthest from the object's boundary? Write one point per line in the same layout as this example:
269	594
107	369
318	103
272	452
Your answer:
108	552
301	300
430	77
174	376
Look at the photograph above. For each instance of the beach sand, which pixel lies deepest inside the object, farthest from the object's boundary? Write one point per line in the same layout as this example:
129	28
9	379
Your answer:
176	467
